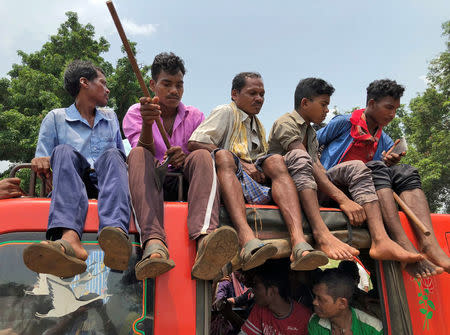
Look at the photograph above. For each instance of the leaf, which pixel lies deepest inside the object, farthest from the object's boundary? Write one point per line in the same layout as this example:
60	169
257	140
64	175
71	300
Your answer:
431	304
423	311
427	291
421	302
429	315
419	294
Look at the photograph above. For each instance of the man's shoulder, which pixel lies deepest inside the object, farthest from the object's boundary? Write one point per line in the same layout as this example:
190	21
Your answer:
285	118
225	108
107	112
368	320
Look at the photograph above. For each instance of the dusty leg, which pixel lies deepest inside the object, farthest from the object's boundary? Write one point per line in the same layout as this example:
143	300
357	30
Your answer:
422	268
429	245
232	195
383	248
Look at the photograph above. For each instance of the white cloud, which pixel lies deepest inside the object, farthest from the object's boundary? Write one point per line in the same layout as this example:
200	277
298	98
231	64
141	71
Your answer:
135	29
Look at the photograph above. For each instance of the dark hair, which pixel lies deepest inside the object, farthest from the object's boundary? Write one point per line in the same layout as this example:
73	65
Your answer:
275	273
167	62
76	70
350	268
339	284
379	89
240	80
310	88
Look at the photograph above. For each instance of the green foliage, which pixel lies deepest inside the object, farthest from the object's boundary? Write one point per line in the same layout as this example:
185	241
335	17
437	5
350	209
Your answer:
36	85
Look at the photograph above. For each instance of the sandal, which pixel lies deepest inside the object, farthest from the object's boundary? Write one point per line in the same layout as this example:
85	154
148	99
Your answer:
215	251
49	258
117	247
310	261
256	252
153	267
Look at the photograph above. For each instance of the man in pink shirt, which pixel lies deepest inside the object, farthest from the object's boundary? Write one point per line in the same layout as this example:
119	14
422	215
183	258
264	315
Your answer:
216	247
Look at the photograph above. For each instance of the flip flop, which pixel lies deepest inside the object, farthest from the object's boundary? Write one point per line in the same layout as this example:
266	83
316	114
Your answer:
153	267
256	252
310	261
117	247
49	258
215	251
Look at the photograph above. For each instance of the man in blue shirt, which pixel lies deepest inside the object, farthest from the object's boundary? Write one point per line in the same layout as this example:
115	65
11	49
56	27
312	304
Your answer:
82	148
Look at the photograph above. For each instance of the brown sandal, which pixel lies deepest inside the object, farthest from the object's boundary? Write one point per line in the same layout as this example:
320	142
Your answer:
117	247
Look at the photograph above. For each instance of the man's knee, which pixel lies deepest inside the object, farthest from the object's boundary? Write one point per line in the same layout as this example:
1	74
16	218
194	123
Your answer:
200	155
298	159
224	160
274	165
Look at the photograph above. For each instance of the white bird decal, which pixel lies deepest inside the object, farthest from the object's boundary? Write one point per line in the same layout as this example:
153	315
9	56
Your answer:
64	300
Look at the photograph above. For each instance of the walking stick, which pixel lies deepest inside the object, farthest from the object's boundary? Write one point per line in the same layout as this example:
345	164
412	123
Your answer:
409	213
134	65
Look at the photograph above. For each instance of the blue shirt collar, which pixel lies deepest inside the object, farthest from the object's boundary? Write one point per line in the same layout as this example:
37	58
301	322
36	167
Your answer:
72	114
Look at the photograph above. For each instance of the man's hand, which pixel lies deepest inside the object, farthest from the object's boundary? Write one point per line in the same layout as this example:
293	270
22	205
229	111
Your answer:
355	213
150	110
392	158
41	165
10	188
253	172
176	156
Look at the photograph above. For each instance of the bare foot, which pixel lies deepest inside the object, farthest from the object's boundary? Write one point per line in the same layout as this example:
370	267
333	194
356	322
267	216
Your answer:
335	248
437	256
423	269
387	250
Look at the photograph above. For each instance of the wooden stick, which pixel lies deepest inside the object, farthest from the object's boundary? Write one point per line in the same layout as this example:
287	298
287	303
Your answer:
134	65
412	217
397	141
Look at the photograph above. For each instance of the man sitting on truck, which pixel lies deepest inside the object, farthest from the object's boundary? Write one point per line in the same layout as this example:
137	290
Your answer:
238	142
82	148
293	137
360	136
216	247
274	311
333	295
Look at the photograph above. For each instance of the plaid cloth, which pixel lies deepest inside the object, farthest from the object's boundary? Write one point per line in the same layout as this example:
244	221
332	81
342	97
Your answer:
254	192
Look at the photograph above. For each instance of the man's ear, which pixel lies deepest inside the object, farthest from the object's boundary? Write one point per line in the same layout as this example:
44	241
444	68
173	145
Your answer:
304	103
152	85
234	94
84	82
371	103
342	303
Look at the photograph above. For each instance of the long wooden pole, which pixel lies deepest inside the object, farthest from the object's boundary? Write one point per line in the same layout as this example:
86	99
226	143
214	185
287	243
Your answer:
134	65
410	214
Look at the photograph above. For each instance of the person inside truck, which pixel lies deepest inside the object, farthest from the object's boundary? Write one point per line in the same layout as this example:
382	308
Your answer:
293	137
274	311
333	313
360	136
216	246
236	137
10	188
82	148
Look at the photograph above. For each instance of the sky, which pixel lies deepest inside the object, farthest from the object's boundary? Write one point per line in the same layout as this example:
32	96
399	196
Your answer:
349	43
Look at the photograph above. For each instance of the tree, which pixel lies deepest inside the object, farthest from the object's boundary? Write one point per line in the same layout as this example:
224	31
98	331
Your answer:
36	85
426	128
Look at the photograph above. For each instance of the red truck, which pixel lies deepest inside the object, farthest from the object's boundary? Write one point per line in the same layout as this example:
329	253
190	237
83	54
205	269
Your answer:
101	301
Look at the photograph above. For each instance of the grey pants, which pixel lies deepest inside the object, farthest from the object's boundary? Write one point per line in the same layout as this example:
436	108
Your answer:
353	177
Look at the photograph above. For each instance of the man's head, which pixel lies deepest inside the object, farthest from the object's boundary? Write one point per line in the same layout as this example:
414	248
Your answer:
83	76
383	99
167	79
271	281
333	293
247	91
311	99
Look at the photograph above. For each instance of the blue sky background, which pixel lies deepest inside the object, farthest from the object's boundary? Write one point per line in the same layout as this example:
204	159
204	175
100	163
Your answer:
348	43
